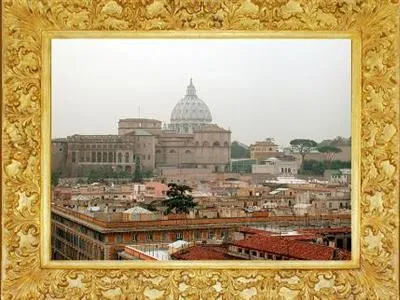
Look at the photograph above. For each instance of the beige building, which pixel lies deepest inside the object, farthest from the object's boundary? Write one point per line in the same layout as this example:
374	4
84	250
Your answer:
190	141
277	166
262	150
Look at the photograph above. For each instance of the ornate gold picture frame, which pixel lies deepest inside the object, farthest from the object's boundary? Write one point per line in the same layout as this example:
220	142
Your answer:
28	26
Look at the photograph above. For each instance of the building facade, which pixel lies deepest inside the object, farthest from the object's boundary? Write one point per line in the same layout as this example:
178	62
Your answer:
262	150
277	166
190	141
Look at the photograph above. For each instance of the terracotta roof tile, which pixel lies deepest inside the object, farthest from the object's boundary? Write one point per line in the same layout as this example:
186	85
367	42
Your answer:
287	247
201	253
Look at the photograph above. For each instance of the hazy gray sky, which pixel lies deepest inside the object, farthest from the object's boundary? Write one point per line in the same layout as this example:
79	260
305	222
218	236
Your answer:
258	88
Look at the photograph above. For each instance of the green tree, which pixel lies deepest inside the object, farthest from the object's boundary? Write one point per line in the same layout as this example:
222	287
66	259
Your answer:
147	174
312	167
93	176
55	178
329	151
149	206
317	168
302	146
179	199
338	164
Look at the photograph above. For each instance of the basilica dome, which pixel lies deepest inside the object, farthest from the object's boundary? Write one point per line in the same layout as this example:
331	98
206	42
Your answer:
190	113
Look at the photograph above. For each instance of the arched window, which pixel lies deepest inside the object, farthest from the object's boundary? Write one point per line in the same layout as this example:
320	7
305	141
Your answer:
188	152
216	144
126	157
205	144
119	157
172	151
158	151
225	144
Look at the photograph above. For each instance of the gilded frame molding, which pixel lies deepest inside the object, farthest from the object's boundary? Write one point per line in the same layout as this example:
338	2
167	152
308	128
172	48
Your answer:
28	26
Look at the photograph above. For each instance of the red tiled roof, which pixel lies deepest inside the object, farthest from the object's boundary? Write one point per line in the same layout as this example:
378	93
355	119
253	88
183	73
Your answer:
287	247
254	230
201	253
304	236
270	244
343	254
327	230
301	237
311	251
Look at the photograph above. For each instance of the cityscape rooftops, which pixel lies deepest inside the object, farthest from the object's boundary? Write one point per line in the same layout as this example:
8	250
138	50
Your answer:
202	253
287	180
287	247
137	210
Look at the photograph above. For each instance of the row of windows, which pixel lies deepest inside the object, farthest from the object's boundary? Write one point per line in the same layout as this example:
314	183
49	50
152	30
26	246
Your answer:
106	157
111	145
72	253
198	235
262	149
83	229
214	144
173	151
287	170
261	254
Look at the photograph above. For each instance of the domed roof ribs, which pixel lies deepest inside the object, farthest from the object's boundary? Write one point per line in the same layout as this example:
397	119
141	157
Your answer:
191	90
190	112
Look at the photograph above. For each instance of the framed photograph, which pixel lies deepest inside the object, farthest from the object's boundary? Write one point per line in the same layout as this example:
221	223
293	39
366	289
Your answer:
203	150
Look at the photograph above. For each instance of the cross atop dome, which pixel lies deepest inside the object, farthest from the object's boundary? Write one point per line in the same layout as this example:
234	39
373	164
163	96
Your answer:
191	90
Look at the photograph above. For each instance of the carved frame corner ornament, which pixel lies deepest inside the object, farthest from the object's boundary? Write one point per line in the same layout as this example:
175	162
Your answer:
373	25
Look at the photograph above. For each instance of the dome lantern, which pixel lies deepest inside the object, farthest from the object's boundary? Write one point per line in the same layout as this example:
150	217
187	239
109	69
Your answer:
190	90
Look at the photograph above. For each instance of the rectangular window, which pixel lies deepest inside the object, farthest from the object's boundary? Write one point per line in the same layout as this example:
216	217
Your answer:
149	236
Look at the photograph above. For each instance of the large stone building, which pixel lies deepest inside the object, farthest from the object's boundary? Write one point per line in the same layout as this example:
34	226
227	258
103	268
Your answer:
189	141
